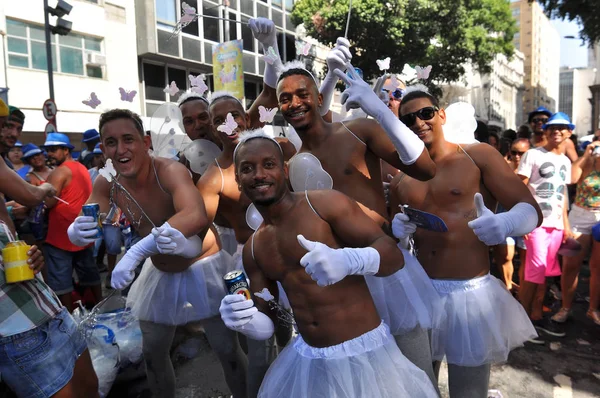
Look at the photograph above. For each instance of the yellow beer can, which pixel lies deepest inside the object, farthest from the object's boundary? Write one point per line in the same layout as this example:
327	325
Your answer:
15	259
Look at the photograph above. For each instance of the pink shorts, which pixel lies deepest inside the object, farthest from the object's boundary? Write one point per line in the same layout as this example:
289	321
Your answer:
542	254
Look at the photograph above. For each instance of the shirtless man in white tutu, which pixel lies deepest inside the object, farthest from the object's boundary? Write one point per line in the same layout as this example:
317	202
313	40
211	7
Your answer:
481	321
181	281
343	348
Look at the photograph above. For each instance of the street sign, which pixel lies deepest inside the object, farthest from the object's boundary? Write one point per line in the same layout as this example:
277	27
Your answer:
50	128
49	109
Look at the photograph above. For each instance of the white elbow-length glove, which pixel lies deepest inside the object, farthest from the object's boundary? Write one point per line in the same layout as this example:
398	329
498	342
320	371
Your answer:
82	231
402	229
264	31
171	241
241	315
493	229
123	273
359	94
327	266
337	58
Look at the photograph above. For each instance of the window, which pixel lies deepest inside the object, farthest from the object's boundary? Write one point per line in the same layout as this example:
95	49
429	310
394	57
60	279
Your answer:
165	12
71	54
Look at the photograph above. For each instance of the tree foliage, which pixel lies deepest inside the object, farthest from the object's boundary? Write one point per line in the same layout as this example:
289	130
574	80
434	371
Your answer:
586	12
443	33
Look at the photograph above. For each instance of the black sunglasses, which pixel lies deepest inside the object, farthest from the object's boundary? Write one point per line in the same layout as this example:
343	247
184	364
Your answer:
515	153
536	120
426	113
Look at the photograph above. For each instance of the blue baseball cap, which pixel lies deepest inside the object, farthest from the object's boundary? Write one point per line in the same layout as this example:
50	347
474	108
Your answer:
97	150
90	135
539	111
30	150
18	144
58	139
559	118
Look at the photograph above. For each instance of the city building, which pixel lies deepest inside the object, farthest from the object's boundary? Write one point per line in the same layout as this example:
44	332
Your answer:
594	63
574	97
99	55
539	41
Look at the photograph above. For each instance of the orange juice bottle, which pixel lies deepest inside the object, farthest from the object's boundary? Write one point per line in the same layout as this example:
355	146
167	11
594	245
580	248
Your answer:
16	268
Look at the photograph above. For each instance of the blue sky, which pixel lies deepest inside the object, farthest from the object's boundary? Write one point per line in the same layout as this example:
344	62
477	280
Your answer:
572	51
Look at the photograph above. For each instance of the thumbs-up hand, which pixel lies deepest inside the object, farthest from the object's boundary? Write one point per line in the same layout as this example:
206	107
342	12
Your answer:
325	265
490	229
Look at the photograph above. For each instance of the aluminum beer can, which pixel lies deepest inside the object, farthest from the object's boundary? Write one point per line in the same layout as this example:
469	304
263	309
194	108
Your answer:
93	210
237	283
16	268
596	152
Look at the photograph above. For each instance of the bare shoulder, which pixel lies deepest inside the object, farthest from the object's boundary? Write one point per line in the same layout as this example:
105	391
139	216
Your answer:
330	200
483	154
210	180
170	168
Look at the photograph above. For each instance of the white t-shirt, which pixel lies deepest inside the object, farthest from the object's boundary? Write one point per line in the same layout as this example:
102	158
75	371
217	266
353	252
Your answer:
548	175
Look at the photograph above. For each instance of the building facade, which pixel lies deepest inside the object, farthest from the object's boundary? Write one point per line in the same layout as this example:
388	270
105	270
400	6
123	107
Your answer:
594	64
99	55
539	42
575	97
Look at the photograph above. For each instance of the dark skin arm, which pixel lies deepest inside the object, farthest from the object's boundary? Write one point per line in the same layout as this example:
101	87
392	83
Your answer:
259	281
209	186
268	99
344	215
379	143
16	188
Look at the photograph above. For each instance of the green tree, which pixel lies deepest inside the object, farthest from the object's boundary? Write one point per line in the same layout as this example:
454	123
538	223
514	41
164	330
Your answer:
586	12
443	33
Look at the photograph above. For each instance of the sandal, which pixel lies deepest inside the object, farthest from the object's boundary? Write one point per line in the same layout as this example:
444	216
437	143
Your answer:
594	315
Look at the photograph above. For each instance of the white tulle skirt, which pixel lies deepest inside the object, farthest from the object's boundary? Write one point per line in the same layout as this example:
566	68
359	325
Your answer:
239	265
370	365
228	241
482	322
407	298
176	298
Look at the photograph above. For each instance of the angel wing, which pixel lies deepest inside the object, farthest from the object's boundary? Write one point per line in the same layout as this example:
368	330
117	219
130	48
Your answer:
92	102
229	126
167	132
384	64
266	115
460	123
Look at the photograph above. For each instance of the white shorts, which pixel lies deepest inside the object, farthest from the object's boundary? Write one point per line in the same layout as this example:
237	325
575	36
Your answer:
177	298
582	220
370	365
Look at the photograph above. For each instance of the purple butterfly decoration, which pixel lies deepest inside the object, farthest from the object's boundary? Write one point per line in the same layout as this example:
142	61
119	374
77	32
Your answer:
93	101
127	95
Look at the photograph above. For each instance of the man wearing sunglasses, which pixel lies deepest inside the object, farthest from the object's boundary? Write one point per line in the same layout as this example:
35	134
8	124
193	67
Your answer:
537	119
480	322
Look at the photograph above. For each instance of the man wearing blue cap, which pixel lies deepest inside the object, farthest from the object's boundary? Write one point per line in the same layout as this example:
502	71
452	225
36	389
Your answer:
546	171
91	138
35	158
537	119
73	186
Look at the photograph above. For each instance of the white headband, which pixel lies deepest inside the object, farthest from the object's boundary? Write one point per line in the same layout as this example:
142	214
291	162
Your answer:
190	95
253	134
224	94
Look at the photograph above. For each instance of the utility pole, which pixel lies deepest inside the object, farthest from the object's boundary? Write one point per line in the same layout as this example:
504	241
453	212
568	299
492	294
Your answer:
63	27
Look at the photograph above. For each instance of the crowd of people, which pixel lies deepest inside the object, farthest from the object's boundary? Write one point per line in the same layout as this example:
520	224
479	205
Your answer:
350	293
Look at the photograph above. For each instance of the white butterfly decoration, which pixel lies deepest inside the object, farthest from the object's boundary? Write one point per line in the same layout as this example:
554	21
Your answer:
266	115
227	77
392	84
409	73
384	64
271	56
423	72
265	294
171	89
302	47
92	102
198	84
188	15
127	95
228	126
108	171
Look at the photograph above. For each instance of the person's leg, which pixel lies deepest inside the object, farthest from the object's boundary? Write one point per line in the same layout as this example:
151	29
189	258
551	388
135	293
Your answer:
468	382
88	273
569	277
84	382
260	356
156	345
59	265
416	348
595	283
537	304
535	271
225	344
503	256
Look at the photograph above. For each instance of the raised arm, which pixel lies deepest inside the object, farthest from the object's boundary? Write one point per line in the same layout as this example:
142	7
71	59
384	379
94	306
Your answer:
583	166
16	188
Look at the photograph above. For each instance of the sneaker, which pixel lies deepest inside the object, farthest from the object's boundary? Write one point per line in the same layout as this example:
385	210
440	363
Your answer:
594	315
547	326
561	316
536	340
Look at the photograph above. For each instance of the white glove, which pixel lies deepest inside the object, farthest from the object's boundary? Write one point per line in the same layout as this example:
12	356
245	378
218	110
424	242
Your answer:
402	229
242	316
264	31
82	231
171	241
123	273
327	266
492	229
337	58
378	89
359	93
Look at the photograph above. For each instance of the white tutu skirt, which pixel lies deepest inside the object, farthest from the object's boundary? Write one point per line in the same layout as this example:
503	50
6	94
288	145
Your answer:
228	241
176	298
406	299
370	365
239	265
482	322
